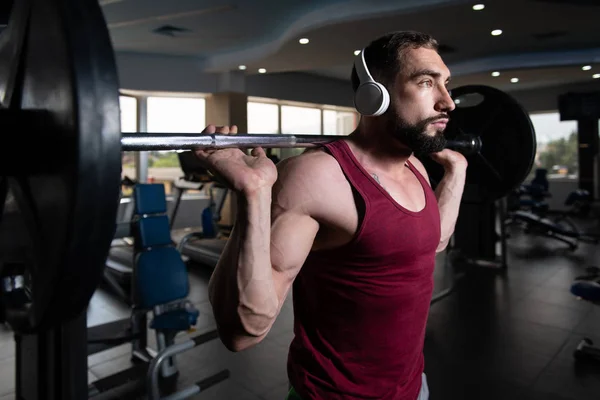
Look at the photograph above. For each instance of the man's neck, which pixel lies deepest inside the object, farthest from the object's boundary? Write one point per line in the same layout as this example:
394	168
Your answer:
377	150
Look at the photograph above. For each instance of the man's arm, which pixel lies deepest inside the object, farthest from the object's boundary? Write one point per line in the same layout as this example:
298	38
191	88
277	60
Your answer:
449	190
270	241
449	194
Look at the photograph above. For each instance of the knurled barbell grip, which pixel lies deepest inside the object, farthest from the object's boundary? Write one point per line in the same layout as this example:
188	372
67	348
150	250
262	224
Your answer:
175	141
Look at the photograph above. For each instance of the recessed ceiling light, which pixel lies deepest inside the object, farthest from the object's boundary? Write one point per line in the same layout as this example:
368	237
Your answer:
303	40
586	67
356	52
596	76
262	70
514	80
478	7
495	73
242	67
497	32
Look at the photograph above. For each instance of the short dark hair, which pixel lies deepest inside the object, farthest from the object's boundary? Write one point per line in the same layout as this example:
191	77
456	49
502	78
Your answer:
384	55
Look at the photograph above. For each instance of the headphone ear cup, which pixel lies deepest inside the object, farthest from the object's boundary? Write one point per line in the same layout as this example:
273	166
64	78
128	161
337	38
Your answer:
371	99
385	100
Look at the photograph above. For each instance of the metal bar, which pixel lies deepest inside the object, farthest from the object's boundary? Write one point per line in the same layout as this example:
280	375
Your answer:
165	141
183	393
52	364
154	368
470	144
177	141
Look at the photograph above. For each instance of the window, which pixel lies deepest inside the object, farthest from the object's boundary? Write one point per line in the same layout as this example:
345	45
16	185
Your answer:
128	106
172	115
263	118
338	122
301	121
273	116
176	114
557	147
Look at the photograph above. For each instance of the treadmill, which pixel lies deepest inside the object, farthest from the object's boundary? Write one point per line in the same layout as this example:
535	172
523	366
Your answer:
201	245
118	264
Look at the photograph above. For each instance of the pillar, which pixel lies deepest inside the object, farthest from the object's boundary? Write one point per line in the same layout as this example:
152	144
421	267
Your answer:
229	106
587	153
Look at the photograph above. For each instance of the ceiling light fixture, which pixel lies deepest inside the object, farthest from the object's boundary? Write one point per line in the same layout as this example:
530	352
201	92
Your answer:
495	73
478	7
356	52
303	41
497	32
242	67
596	76
586	67
262	70
514	80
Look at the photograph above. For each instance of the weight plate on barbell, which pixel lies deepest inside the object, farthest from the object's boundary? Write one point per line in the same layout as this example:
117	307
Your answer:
507	135
68	206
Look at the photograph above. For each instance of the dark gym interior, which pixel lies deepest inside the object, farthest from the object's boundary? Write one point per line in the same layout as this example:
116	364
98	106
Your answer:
515	312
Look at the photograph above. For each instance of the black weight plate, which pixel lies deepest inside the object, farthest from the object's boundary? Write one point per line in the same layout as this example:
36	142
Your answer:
67	68
507	135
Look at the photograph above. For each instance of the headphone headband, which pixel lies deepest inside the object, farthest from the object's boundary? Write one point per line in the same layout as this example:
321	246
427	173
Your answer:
361	68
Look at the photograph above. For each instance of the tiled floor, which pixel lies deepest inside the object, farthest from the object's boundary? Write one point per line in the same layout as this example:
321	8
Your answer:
498	336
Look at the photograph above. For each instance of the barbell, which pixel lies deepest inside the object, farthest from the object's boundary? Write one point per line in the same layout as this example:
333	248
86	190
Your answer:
167	141
60	167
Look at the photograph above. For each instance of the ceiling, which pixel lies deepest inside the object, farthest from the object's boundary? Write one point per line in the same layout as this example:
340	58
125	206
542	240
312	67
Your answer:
544	42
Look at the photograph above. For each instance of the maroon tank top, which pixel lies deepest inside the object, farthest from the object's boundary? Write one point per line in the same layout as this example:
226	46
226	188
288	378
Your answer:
360	310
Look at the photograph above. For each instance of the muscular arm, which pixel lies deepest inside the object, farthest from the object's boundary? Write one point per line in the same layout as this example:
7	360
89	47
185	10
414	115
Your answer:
272	237
449	193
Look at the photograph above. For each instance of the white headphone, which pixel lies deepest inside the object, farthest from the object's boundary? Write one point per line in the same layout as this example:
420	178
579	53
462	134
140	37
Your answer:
371	98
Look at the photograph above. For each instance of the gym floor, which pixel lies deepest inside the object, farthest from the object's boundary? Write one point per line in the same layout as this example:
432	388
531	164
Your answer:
497	336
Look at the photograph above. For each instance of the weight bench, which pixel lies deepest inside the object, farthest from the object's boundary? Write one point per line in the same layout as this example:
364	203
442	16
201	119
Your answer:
587	288
542	225
161	285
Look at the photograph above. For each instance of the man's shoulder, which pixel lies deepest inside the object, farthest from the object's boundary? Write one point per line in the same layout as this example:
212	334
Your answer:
314	164
307	180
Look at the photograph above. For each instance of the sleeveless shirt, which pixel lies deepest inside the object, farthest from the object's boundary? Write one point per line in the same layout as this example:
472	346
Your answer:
360	310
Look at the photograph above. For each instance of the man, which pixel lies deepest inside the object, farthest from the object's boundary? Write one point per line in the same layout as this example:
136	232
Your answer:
354	228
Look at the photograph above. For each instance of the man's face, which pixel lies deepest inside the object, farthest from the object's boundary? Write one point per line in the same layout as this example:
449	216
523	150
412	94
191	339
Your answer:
420	102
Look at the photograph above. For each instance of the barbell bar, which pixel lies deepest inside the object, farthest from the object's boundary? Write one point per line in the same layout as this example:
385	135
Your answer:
141	141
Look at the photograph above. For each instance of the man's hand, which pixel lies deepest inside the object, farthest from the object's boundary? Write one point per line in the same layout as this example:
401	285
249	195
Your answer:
243	173
451	160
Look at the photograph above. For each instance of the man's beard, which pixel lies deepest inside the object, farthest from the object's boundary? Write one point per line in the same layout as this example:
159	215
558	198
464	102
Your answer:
415	137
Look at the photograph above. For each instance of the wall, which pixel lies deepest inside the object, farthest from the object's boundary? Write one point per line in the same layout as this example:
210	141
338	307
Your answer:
301	87
546	99
156	73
